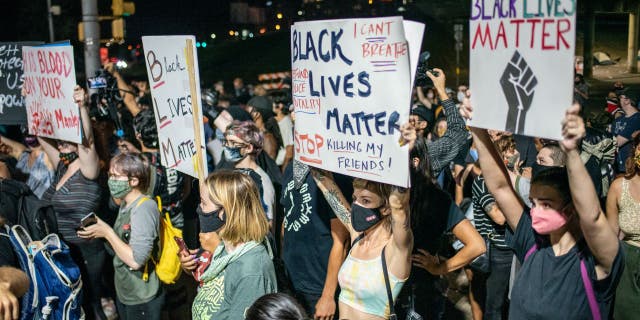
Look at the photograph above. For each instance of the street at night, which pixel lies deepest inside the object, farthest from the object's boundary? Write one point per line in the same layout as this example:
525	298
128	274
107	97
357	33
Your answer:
319	159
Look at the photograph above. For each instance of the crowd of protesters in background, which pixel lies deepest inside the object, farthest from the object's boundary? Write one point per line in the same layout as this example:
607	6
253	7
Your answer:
494	226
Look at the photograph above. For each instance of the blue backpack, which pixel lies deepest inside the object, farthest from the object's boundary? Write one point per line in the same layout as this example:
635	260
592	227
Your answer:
55	286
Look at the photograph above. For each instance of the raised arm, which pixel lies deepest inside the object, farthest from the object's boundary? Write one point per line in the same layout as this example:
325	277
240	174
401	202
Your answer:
334	197
497	178
444	150
51	150
422	98
399	252
15	149
125	90
87	155
601	239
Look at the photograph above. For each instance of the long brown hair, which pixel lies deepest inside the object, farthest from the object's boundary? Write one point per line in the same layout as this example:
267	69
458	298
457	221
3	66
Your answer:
631	169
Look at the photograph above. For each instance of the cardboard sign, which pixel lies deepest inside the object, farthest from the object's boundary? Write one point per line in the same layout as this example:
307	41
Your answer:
49	79
521	68
12	103
351	92
176	99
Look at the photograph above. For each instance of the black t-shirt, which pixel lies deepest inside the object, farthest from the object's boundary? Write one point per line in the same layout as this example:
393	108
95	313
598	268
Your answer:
550	286
7	256
429	231
307	238
169	184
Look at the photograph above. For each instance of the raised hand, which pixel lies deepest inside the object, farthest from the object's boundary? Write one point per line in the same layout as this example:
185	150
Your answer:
78	95
399	198
518	84
408	132
573	129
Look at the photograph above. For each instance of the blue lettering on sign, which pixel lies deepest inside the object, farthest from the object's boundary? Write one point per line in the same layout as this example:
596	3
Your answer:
381	124
339	85
300	53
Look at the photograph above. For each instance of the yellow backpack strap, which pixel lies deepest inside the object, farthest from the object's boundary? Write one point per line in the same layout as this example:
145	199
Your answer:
159	201
141	201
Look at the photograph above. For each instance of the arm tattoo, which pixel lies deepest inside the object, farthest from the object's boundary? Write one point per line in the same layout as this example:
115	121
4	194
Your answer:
338	206
488	208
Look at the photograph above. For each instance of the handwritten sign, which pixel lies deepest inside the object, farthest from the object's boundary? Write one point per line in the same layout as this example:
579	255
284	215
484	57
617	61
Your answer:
12	103
351	92
49	79
521	68
173	103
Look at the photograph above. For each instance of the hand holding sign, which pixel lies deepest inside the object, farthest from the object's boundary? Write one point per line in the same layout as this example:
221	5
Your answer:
572	129
78	96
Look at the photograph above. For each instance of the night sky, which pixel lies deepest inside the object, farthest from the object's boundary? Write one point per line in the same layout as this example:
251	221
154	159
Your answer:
173	17
27	20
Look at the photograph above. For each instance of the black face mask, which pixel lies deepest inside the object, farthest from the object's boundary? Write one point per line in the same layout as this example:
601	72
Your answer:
537	168
209	221
68	157
364	218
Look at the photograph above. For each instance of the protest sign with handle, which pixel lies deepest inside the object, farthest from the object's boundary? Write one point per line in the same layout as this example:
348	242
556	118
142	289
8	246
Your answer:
521	64
175	88
49	80
351	92
12	103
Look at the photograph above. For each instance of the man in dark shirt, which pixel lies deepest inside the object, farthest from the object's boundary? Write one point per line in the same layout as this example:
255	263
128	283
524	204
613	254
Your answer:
313	240
443	150
625	128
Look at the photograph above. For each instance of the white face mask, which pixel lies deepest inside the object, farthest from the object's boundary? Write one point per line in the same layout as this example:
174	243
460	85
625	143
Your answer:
430	95
461	96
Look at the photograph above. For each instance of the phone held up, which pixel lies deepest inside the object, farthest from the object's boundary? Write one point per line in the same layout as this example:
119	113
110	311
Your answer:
88	220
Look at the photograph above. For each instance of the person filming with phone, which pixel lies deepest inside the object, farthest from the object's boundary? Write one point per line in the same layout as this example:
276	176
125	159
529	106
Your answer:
133	238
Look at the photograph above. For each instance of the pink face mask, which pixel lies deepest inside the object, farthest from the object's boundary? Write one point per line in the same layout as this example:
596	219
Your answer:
547	221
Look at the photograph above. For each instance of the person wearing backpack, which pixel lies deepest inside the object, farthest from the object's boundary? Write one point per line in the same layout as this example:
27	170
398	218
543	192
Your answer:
571	258
133	239
74	192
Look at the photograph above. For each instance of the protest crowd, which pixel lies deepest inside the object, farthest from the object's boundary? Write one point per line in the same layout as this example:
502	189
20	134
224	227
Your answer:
494	225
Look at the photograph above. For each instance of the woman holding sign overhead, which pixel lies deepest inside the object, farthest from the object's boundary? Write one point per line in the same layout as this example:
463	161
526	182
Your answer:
571	258
74	192
380	258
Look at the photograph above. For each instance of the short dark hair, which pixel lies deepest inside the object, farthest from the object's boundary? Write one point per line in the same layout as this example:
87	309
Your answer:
133	165
275	306
247	131
556	178
284	98
557	155
144	123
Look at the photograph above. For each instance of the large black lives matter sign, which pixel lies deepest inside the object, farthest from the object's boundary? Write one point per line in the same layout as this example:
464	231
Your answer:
12	103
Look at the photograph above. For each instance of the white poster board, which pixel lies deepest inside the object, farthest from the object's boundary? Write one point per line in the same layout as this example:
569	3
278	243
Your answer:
49	80
169	79
521	65
351	92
